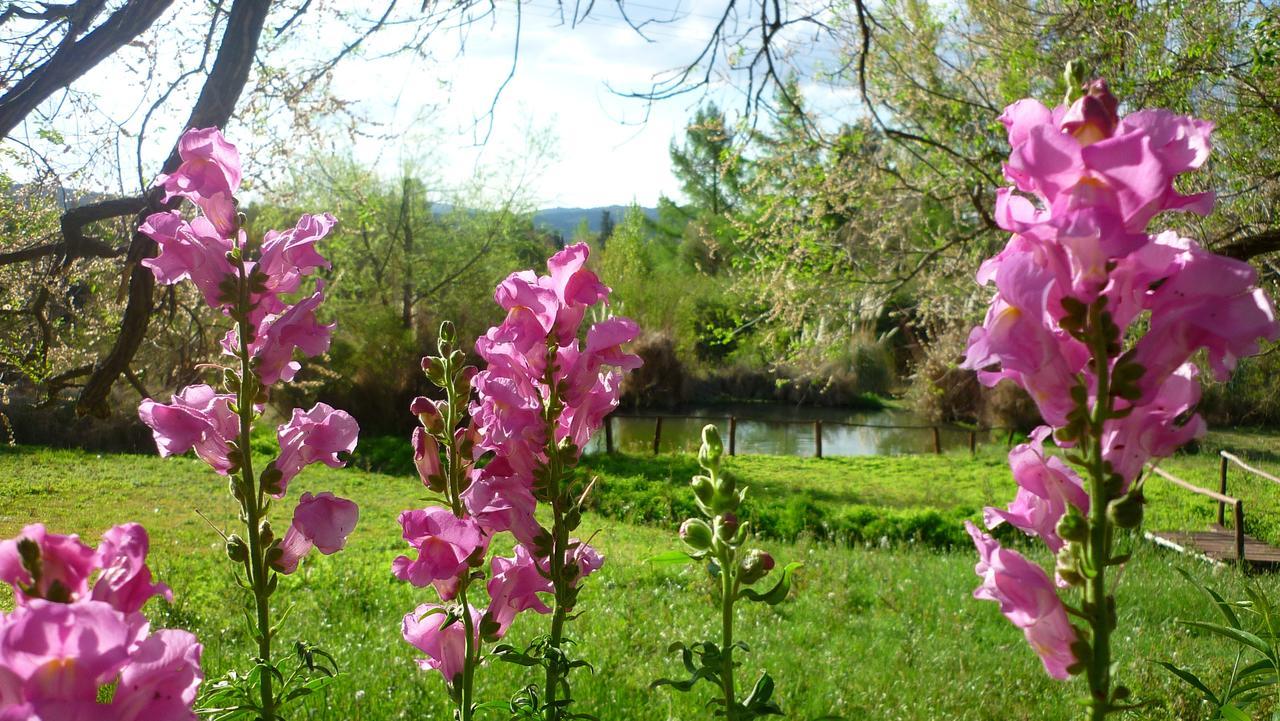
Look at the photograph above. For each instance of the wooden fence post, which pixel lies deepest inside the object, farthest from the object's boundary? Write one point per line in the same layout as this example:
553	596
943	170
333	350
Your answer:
608	435
973	442
817	439
733	435
937	440
1240	531
657	434
1222	488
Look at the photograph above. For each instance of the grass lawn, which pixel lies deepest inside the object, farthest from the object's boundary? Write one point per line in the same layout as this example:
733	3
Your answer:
871	633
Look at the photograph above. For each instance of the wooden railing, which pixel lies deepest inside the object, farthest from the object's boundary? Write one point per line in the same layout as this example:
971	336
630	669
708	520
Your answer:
817	425
1221	497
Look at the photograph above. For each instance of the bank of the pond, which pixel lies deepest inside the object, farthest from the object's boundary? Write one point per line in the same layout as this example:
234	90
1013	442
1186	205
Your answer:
864	635
918	498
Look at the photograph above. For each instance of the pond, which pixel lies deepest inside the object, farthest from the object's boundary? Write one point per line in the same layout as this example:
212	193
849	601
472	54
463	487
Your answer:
781	429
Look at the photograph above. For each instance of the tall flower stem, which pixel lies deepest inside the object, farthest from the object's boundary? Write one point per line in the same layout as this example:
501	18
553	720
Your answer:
560	582
253	501
729	592
1098	603
455	472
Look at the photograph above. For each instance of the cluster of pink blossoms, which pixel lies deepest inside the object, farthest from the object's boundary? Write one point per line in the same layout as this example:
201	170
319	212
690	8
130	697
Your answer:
541	389
73	649
1086	184
251	285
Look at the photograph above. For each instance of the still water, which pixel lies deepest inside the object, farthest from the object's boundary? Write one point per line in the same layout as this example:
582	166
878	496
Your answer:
766	428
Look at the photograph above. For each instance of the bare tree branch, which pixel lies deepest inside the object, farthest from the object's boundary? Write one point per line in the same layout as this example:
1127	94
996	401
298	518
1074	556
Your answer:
217	101
73	59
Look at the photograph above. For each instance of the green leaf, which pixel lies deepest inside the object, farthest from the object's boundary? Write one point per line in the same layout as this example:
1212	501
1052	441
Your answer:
1193	680
670	558
1235	634
1232	713
779	592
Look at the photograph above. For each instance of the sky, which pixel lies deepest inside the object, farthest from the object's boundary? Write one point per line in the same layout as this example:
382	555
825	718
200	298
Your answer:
603	148
561	130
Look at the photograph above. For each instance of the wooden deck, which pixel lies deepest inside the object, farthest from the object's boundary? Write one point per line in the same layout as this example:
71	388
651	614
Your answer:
1218	544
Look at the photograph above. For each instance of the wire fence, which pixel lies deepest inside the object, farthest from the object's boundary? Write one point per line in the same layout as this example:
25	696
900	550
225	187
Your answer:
817	424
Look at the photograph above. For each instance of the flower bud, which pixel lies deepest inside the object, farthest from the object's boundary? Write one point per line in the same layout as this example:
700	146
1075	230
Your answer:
1094	116
429	413
1126	511
696	534
426	457
712	448
754	566
726	527
1072	526
703	489
266	536
237	549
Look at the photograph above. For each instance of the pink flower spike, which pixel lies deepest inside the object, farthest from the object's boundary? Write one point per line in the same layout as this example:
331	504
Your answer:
160	680
445	646
125	581
198	418
65	566
1028	598
317	435
513	587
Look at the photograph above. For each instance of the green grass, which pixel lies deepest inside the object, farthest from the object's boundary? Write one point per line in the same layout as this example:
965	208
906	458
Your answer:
871	632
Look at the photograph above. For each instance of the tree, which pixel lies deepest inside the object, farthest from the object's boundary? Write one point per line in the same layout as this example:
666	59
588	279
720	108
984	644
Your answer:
263	78
707	164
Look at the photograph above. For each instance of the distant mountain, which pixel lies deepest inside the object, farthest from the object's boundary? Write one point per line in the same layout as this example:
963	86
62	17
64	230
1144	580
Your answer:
566	220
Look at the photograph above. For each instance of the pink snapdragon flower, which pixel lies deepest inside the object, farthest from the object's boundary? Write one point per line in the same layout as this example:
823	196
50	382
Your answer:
1157	428
296	328
426	456
446	546
445	646
197	417
160	681
1046	487
1028	598
55	660
289	255
322	522
59	654
65	565
514	585
194	251
125	581
587	559
209	175
501	500
319	435
1019	341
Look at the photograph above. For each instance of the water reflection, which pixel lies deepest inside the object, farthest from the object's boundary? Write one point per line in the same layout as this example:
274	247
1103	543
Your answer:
783	430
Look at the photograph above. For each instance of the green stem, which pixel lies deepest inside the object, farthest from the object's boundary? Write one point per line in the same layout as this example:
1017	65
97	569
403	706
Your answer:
1099	548
455	473
729	592
254	503
559	541
561	585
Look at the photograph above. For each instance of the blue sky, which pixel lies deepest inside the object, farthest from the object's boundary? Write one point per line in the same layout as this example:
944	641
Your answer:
598	148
